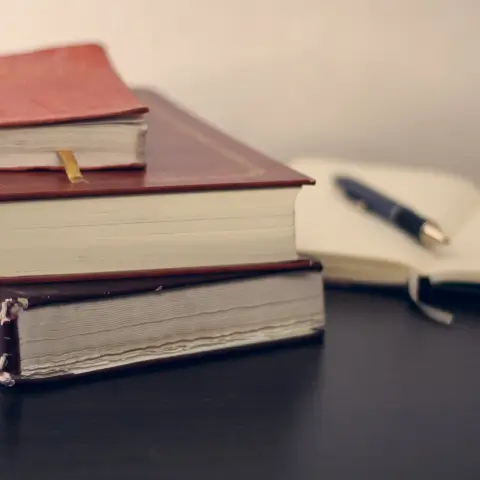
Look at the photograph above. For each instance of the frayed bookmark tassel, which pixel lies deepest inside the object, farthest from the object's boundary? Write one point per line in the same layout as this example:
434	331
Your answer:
70	165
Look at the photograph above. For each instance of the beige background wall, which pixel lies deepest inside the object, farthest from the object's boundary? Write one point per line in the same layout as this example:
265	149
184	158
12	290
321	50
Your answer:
394	80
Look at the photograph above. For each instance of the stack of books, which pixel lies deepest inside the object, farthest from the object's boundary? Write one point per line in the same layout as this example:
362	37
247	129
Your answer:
179	240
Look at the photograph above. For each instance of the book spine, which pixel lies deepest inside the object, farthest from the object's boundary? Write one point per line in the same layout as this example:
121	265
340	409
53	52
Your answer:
10	309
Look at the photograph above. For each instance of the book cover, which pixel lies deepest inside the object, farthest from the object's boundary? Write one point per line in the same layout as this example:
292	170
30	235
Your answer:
62	84
183	154
46	293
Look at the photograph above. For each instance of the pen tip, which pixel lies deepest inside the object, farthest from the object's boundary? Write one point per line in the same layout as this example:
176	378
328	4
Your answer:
432	235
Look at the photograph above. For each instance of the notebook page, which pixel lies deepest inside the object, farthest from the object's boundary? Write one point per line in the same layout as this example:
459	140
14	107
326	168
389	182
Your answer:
327	225
460	262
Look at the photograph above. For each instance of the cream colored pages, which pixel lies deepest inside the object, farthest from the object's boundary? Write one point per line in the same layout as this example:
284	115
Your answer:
357	246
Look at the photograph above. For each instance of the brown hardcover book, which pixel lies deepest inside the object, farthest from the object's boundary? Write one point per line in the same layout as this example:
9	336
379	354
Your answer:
70	98
58	329
183	153
204	200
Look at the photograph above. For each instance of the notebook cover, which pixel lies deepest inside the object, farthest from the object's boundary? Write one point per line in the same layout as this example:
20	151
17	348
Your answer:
183	153
66	83
451	296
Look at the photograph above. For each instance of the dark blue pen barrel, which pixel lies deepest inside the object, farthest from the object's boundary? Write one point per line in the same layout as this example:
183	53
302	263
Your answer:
409	221
370	199
383	208
381	205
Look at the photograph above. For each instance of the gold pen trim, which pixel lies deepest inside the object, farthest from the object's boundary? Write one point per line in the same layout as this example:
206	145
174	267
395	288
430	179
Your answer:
431	235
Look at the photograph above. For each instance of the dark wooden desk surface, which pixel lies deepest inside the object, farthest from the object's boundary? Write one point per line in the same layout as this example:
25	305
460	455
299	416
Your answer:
388	396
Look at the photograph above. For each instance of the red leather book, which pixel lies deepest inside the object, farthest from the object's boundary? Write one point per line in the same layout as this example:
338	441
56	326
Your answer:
69	97
204	200
60	84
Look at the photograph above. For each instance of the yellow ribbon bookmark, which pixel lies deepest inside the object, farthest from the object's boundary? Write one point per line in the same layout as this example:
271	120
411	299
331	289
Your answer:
70	165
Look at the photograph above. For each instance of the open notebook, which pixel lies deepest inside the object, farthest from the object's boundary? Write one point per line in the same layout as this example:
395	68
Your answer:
355	246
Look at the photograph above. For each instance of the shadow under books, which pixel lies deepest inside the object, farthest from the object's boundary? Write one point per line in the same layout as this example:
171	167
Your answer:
190	404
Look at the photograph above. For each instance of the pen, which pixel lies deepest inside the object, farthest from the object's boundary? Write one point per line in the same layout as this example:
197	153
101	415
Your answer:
425	231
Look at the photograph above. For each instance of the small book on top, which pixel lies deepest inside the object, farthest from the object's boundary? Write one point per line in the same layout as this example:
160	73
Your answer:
68	98
355	246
